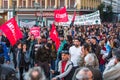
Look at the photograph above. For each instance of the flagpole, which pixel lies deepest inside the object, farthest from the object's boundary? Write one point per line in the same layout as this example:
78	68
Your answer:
72	22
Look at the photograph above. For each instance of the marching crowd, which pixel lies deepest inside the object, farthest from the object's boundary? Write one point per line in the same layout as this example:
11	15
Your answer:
85	53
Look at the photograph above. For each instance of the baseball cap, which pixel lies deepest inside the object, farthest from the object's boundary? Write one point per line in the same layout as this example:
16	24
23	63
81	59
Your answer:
64	52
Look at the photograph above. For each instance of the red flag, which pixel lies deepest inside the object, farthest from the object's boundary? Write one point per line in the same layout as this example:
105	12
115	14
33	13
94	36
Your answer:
73	19
54	36
61	15
12	31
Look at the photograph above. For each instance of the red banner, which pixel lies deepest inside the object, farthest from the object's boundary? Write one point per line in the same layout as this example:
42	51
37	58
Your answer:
54	36
12	31
35	31
61	15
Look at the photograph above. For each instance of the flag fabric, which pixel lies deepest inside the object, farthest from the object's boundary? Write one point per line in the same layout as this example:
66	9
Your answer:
35	31
61	15
54	36
12	31
73	19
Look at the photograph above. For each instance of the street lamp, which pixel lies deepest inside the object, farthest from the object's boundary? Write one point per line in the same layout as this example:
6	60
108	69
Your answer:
36	5
39	18
14	13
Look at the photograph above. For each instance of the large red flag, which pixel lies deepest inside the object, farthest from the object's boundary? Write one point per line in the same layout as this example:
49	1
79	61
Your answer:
12	31
54	36
61	15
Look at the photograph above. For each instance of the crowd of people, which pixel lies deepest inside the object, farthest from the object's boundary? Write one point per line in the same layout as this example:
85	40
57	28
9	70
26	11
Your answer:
85	53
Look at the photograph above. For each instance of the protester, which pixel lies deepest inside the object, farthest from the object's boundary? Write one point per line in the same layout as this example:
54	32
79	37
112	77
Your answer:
95	47
16	55
35	73
43	59
86	48
38	44
112	72
89	63
30	43
102	39
53	53
75	52
84	74
7	73
64	68
24	60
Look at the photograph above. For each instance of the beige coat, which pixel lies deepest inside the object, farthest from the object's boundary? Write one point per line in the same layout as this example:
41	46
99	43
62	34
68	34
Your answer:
96	62
112	73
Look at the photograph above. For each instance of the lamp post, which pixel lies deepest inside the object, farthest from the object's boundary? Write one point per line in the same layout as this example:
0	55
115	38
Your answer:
14	13
39	18
36	5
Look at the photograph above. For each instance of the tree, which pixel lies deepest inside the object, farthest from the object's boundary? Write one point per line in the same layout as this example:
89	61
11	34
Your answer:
101	9
106	13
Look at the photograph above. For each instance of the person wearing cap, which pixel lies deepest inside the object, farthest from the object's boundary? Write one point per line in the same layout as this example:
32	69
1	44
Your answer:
64	68
113	72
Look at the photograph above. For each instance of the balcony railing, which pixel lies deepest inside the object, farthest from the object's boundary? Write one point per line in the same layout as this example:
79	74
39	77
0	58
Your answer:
43	9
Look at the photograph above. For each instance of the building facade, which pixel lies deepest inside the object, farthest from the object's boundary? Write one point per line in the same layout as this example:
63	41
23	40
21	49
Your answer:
43	10
115	8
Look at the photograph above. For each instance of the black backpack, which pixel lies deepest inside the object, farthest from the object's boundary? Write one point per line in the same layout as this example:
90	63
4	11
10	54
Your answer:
1	49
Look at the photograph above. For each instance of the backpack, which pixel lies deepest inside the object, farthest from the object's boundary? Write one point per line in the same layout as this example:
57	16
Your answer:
1	49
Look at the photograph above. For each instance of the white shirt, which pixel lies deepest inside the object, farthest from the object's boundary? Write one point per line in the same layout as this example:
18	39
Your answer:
75	55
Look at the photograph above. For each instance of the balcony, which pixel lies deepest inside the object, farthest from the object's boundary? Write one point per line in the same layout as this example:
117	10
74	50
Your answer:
43	9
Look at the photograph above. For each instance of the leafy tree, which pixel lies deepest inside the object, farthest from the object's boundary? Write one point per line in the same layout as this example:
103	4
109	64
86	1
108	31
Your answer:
106	13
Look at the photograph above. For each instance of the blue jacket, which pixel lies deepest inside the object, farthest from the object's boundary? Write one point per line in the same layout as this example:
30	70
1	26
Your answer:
5	54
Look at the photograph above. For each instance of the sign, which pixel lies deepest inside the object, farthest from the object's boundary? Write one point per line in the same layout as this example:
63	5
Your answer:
45	14
27	24
61	15
87	19
35	31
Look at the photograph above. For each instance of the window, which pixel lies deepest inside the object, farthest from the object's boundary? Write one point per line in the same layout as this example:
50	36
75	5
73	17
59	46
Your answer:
43	3
24	4
5	5
20	3
52	3
62	3
71	3
29	3
33	2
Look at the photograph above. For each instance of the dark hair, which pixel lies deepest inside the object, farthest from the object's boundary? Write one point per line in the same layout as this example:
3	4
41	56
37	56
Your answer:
77	39
94	38
24	43
117	54
87	47
116	43
2	60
